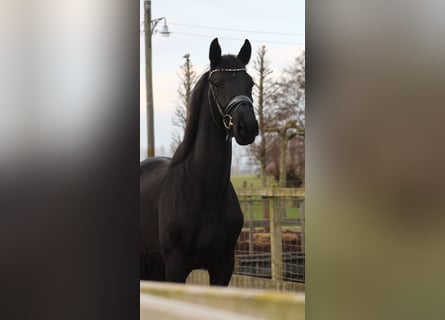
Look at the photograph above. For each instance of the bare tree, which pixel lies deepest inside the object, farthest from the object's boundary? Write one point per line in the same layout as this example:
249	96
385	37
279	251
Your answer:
286	115
188	79
262	90
295	160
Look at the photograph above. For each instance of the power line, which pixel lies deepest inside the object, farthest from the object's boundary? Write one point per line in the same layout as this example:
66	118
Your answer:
237	30
229	38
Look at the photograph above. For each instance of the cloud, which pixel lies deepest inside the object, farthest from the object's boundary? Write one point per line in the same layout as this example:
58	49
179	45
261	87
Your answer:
281	57
165	86
142	98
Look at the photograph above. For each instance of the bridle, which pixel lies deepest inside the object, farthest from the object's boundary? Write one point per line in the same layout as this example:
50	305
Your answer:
233	105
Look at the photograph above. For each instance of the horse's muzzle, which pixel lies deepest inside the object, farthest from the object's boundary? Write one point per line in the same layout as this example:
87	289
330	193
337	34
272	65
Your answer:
245	127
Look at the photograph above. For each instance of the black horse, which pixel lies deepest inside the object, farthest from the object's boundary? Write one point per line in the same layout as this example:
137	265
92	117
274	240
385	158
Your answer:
190	213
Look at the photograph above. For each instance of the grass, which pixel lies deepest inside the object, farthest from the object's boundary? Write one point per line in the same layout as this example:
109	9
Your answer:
257	210
250	181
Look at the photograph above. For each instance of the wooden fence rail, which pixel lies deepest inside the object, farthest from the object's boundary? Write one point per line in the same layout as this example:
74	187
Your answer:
177	301
272	192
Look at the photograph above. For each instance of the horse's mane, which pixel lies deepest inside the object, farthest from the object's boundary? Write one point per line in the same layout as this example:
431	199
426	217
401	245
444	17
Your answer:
191	128
193	109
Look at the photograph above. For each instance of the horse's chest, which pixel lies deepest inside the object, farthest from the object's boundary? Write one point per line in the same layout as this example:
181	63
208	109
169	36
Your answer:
216	233
211	236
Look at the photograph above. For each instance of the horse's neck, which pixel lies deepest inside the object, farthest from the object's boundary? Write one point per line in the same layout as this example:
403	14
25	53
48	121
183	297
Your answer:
211	156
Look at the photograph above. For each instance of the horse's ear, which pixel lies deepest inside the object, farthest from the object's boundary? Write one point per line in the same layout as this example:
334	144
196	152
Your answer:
214	53
245	52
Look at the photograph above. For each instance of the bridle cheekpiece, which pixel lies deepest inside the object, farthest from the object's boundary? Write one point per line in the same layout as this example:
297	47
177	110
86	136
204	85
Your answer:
233	105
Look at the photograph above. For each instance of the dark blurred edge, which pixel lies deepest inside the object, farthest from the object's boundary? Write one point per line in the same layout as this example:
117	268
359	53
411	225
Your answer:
69	228
375	160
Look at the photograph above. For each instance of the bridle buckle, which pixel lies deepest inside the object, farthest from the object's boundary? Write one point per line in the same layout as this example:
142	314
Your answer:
227	121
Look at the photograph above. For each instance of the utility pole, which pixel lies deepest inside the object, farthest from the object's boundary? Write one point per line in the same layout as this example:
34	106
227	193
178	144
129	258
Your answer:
149	80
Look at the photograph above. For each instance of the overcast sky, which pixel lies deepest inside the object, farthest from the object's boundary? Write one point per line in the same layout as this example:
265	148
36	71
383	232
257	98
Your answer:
194	24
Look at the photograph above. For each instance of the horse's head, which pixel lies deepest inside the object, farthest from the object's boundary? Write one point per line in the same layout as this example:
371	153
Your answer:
230	88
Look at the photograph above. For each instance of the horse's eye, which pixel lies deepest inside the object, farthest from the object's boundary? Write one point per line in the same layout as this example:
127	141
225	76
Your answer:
217	83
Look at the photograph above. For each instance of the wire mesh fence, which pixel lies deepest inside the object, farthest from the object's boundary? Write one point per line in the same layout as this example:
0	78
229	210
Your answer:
269	253
271	244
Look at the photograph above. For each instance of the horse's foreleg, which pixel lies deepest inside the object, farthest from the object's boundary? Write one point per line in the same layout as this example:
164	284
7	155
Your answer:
221	274
176	269
152	267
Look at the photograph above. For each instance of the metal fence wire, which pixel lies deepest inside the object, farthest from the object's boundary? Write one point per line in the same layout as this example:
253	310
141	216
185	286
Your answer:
269	253
271	244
